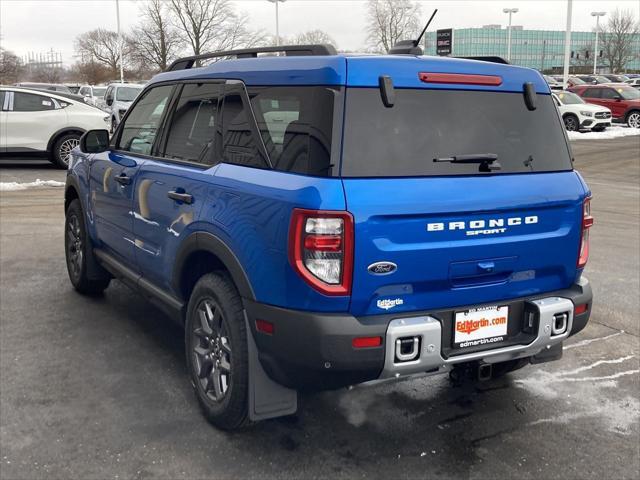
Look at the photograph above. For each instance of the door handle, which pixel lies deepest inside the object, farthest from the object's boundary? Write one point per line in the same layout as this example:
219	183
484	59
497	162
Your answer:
180	197
122	179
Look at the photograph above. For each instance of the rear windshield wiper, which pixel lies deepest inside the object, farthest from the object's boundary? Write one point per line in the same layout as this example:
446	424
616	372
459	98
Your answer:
488	161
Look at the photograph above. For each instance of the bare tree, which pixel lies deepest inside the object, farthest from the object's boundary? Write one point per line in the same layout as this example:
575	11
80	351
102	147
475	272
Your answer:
618	39
10	67
92	72
101	46
313	37
155	41
212	25
389	21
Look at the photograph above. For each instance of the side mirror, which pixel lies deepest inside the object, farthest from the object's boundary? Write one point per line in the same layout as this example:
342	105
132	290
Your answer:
94	141
618	99
109	101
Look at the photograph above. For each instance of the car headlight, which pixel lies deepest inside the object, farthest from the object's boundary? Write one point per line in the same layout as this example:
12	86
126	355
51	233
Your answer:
587	114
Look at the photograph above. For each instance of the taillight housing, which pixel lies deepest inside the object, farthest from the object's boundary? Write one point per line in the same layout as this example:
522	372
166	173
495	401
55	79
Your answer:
587	223
321	249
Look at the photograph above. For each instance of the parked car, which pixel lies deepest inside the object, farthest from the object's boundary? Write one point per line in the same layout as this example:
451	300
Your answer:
118	98
578	115
73	87
376	239
55	87
93	95
35	122
634	82
594	79
615	78
622	100
571	81
553	83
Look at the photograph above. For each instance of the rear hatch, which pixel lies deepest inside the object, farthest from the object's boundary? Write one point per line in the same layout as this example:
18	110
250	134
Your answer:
439	234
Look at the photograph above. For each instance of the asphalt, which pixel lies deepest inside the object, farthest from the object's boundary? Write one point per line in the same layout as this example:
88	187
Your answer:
96	388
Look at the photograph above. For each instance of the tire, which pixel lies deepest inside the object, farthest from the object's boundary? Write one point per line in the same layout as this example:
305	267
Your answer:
62	148
217	352
633	119
79	252
571	123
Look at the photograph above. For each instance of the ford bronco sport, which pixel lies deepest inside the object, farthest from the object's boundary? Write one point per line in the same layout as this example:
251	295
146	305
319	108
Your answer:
317	220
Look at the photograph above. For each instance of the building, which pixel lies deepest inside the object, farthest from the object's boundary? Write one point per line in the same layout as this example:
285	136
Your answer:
539	49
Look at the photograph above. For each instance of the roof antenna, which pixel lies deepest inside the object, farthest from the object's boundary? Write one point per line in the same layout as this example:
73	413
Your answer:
411	47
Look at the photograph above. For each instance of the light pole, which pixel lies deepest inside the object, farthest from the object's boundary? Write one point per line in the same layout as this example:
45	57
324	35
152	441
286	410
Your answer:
277	21
595	49
119	42
567	45
510	11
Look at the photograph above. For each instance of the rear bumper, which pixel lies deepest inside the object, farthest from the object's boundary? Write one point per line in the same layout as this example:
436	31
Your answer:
314	350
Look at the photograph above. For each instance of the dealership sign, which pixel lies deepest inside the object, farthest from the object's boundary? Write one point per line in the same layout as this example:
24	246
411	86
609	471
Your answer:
444	41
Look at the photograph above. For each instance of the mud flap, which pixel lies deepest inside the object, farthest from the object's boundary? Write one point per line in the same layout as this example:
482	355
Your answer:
548	354
267	399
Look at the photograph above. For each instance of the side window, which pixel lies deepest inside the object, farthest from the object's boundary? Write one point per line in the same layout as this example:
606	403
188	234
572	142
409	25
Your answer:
238	143
141	126
296	125
194	133
609	94
592	93
2	100
109	94
28	102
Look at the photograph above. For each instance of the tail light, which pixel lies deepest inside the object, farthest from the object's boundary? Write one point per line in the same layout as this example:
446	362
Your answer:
587	222
321	249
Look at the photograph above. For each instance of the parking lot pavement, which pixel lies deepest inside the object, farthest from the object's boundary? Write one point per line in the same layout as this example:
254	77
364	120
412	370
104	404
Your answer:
96	388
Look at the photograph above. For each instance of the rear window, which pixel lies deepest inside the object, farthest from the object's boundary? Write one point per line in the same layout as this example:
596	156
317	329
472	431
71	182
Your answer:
426	124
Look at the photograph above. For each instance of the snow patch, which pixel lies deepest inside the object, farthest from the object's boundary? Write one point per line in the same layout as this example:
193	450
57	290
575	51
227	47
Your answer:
610	132
14	186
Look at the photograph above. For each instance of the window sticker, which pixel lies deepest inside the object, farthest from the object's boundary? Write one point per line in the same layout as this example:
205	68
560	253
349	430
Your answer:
46	103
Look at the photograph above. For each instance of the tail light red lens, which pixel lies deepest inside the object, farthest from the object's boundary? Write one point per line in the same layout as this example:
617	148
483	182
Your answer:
366	342
321	249
587	223
460	78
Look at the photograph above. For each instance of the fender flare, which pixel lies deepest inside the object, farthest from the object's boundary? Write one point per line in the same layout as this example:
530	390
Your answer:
61	132
204	241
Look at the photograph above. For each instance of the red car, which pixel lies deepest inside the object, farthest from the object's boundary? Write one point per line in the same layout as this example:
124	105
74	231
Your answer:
621	99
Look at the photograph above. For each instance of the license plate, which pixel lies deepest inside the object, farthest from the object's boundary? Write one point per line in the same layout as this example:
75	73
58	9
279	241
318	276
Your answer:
481	326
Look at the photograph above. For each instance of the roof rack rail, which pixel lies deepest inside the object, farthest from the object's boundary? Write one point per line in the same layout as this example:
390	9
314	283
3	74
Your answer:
289	50
492	59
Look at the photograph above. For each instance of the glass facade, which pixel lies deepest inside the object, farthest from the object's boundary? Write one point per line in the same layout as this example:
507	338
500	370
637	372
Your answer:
539	49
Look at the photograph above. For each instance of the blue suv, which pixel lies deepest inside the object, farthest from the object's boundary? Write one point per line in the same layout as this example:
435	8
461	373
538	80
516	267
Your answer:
317	220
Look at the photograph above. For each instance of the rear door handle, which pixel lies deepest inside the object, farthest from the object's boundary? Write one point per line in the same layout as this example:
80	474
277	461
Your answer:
122	179
180	197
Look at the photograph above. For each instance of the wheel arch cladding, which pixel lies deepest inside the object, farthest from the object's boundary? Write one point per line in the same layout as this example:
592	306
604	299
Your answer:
202	253
63	131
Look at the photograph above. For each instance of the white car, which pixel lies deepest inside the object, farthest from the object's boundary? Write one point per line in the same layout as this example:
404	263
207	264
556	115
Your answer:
93	95
118	98
36	123
634	82
578	115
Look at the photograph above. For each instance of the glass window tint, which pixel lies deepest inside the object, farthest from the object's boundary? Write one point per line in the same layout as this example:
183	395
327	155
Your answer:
127	94
141	126
609	94
428	124
592	93
28	102
239	144
194	127
296	126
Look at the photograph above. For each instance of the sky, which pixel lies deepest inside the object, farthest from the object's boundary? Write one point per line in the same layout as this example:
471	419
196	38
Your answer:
42	25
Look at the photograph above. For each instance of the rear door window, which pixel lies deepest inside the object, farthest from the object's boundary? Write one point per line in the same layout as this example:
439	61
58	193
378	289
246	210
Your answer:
424	125
592	93
239	144
609	94
195	132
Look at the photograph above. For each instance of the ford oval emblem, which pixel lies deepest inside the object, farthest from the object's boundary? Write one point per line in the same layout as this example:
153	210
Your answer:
382	268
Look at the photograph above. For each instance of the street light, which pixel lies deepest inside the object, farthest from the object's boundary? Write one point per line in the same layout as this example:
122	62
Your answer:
595	49
277	21
510	11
